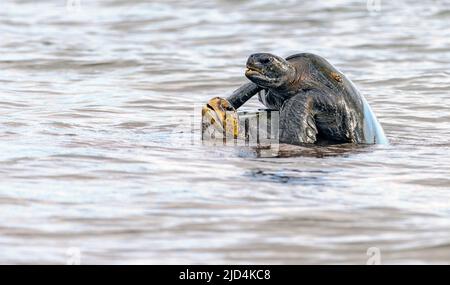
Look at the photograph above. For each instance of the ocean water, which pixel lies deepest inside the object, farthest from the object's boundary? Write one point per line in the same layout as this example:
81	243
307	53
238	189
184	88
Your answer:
100	153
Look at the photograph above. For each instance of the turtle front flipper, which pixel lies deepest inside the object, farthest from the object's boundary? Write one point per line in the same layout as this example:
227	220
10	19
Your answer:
219	119
297	124
243	94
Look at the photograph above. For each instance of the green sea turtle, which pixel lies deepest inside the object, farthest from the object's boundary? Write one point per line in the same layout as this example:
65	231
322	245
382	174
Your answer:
317	103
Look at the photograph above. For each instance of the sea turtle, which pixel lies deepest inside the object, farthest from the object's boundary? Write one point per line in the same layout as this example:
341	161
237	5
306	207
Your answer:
317	103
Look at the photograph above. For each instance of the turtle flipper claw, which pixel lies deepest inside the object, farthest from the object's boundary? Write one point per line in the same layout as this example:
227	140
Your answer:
219	119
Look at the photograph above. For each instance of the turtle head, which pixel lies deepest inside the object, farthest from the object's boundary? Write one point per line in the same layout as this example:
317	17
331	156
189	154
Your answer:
268	70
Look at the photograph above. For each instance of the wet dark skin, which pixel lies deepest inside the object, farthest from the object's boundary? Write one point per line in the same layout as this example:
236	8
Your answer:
317	103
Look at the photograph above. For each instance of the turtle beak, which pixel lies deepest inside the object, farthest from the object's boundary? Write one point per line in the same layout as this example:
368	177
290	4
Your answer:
252	71
259	67
254	65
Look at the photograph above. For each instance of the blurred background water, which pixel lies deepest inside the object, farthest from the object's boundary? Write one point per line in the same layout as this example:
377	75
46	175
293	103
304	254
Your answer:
97	151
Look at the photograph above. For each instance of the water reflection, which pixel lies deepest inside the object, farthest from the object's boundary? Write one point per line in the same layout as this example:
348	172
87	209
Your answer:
291	176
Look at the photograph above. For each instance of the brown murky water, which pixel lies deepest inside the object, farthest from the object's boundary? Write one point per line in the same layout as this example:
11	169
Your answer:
97	152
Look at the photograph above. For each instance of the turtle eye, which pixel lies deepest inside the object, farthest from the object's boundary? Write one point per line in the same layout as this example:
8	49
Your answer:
266	60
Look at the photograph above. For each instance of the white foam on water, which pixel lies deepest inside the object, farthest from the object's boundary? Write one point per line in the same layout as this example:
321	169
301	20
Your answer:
373	132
